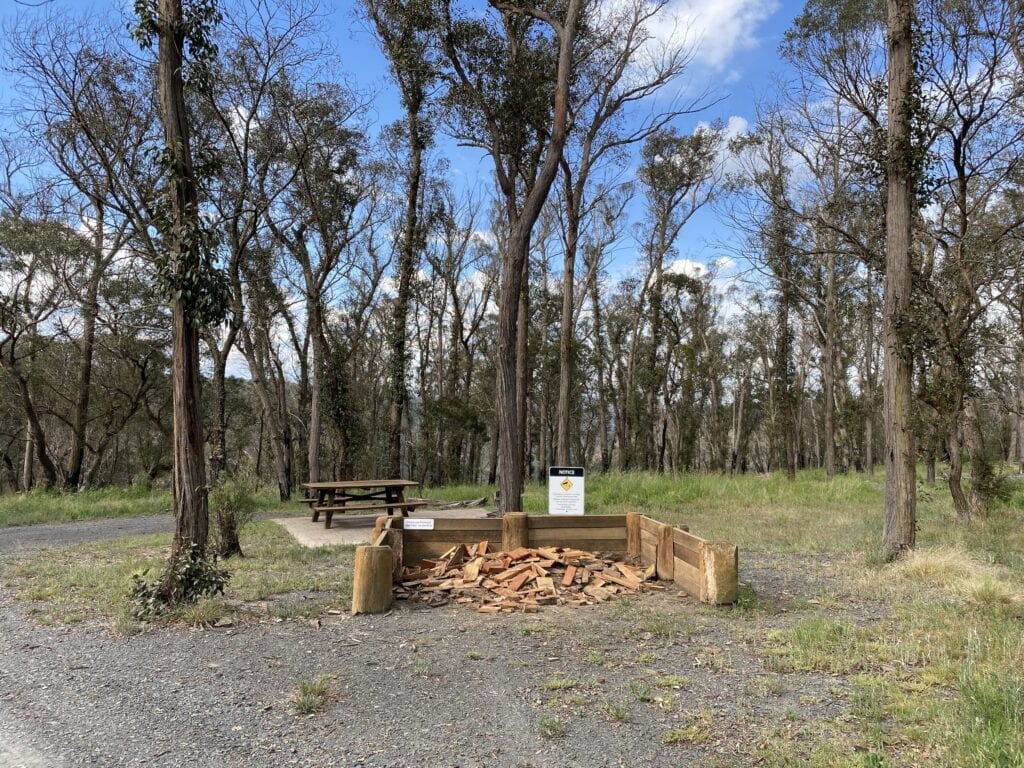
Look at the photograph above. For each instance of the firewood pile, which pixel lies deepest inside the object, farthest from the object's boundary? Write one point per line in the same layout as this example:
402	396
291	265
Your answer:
521	580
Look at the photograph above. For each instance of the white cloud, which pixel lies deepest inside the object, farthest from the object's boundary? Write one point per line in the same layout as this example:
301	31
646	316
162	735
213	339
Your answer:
687	267
716	28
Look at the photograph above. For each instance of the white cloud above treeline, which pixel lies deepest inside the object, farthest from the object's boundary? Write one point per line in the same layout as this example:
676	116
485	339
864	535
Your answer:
717	29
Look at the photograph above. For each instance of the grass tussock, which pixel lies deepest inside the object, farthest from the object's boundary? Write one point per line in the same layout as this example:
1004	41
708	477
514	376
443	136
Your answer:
953	570
311	696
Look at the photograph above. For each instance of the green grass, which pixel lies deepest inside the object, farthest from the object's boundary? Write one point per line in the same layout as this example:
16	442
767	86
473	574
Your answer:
311	696
93	579
551	727
809	514
558	683
60	507
39	506
697	731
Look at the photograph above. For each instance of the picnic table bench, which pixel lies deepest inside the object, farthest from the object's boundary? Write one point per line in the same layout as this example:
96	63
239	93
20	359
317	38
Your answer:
358	495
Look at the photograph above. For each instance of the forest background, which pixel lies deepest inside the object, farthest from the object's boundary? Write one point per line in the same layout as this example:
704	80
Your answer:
702	290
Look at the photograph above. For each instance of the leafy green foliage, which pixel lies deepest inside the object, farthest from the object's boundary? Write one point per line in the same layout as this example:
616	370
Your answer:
233	503
186	270
190	576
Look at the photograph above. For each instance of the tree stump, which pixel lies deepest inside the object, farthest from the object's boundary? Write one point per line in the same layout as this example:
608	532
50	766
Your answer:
371	580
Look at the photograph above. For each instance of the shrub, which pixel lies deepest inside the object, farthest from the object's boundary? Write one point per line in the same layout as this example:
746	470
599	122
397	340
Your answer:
232	505
193	574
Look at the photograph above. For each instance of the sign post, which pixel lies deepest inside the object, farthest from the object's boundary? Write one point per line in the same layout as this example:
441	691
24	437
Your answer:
565	490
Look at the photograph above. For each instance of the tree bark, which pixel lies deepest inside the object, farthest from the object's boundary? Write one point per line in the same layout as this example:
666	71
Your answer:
86	346
315	329
829	363
567	339
954	445
900	529
406	272
26	460
188	479
981	467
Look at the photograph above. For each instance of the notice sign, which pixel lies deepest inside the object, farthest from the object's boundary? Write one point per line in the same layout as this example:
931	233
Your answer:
418	524
565	490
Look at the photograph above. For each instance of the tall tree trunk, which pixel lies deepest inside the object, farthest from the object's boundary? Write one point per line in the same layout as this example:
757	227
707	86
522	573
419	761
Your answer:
86	346
599	358
523	370
218	438
567	340
521	222
188	479
954	444
492	454
900	530
981	467
316	368
35	429
406	271
829	362
27	460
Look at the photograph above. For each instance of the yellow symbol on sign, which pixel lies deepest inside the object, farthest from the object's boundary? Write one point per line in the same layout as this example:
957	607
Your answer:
566	484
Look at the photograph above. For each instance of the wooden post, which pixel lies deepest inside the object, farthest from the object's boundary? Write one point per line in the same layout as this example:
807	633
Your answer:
371	580
666	555
514	531
394	538
378	525
632	534
719	581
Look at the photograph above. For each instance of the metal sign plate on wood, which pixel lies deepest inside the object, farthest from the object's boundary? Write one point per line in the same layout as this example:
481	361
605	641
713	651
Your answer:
418	524
565	490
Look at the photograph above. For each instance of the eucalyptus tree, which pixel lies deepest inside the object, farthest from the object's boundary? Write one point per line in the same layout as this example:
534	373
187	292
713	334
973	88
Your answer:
461	265
403	33
259	45
621	65
900	530
679	175
88	110
510	72
977	150
769	214
325	203
36	257
195	290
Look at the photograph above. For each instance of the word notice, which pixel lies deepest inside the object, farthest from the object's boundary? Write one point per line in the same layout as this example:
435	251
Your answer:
565	490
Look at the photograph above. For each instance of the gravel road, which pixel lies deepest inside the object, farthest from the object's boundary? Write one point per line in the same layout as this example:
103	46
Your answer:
444	688
67	534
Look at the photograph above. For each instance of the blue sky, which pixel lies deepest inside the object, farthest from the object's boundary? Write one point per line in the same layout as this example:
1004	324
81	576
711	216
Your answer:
735	58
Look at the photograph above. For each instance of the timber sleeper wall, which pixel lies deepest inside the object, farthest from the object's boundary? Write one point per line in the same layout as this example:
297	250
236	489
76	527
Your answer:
703	569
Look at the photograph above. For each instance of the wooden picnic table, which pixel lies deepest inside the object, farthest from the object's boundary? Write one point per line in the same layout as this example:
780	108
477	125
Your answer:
352	495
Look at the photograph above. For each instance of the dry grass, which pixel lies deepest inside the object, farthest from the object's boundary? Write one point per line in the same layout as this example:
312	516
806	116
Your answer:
951	570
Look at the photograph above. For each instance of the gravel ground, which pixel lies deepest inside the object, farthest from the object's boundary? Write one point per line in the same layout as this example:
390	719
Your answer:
66	534
445	687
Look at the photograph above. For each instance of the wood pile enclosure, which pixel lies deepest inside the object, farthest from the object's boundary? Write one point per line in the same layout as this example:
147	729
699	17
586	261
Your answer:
707	571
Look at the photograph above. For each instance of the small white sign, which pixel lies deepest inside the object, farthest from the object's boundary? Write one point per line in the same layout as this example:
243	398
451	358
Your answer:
565	490
418	524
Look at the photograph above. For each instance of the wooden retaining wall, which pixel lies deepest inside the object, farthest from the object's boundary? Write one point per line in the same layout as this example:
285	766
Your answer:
706	570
